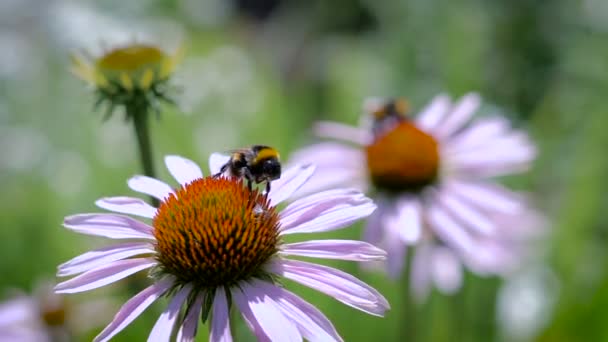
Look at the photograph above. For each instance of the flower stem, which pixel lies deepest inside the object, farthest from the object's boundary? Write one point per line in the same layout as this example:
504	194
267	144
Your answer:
139	114
408	313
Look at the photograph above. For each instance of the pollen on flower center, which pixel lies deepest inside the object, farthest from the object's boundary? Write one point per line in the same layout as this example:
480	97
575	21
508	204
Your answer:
215	232
403	159
131	57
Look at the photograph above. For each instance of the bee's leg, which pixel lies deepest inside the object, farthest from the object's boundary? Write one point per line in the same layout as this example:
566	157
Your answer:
267	187
222	170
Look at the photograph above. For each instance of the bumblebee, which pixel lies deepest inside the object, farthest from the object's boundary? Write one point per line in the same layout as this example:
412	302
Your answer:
257	164
387	114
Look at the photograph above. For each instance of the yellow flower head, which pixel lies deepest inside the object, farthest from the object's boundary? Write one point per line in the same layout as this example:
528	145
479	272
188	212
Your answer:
131	74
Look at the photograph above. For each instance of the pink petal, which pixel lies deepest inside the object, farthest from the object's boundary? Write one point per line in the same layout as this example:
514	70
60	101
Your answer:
479	133
431	115
460	114
446	270
326	155
449	230
150	186
315	200
310	207
133	308
164	325
337	284
104	275
330	179
127	205
18	311
263	316
312	324
407	220
187	332
421	272
220	320
216	161
468	215
103	256
335	130
335	218
487	196
290	181
374	227
395	248
109	225
335	249
183	170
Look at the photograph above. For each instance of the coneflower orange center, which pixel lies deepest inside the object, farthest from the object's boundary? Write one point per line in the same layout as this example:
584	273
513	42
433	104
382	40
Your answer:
131	57
403	159
215	232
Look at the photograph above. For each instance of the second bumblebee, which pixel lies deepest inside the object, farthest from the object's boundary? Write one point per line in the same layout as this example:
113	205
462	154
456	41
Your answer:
257	164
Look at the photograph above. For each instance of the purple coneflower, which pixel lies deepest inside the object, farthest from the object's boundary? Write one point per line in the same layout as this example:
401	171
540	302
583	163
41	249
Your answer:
212	243
47	316
431	178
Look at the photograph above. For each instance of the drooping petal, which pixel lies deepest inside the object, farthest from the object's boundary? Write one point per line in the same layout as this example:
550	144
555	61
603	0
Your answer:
263	316
104	275
431	115
187	332
395	248
164	325
446	270
488	196
468	215
338	217
133	308
337	284
290	181
407	220
449	230
336	130
312	324
460	114
421	272
216	161
150	186
183	170
109	225
103	256
335	249
127	205
220	321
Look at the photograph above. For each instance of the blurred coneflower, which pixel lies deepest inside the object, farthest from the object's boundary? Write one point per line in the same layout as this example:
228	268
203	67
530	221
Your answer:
47	316
213	246
135	76
431	177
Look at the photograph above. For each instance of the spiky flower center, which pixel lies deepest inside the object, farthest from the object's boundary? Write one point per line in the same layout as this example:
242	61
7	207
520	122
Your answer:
215	232
131	57
403	159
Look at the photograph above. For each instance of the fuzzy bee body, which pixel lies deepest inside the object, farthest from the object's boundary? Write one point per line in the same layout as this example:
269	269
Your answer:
256	164
386	115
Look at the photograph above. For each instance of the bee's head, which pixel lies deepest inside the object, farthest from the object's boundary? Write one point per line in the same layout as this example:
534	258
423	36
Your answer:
272	168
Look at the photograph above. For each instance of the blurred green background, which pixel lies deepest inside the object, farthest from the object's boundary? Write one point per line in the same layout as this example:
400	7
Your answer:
261	71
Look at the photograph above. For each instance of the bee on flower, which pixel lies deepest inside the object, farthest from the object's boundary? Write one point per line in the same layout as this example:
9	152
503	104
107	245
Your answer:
431	176
135	75
208	249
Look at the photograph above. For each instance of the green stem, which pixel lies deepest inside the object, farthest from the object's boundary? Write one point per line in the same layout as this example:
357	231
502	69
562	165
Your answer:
408	311
139	114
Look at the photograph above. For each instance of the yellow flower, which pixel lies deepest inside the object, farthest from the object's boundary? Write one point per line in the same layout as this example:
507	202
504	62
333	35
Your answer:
132	74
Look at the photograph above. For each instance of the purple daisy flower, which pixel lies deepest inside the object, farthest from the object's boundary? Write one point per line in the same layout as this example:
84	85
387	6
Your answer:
212	243
431	178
